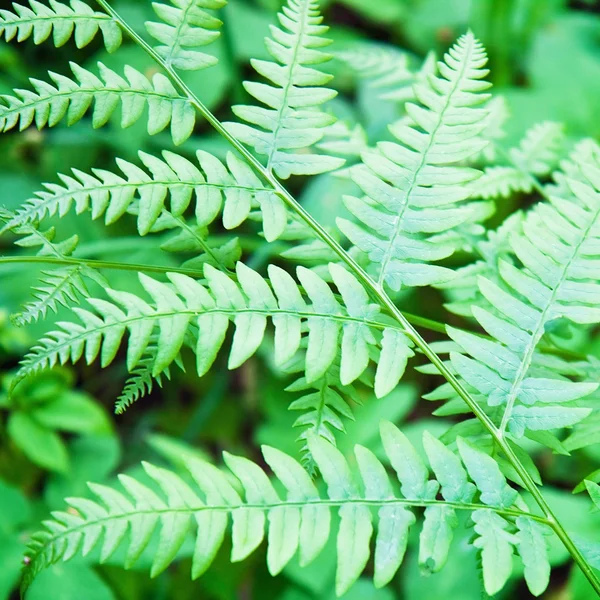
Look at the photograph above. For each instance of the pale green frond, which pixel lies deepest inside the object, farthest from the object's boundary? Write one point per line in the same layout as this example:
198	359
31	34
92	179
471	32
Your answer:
323	404
539	150
70	99
496	545
34	237
551	275
586	151
533	549
385	68
501	182
212	186
537	154
341	139
297	521
186	307
60	20
60	287
463	289
415	188
498	114
292	120
141	380
185	26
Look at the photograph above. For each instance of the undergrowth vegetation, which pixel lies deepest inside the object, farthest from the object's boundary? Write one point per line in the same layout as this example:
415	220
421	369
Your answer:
332	246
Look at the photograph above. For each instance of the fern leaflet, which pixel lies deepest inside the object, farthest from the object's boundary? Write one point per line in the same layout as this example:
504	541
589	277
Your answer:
292	120
413	188
185	26
231	188
559	250
248	303
59	287
60	20
536	155
300	523
68	98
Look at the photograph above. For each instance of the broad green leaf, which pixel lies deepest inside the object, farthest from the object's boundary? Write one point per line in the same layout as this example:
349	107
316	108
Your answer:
40	444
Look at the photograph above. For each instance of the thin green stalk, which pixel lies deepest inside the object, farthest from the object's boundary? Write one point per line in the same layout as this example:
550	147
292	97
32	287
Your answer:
97	264
378	293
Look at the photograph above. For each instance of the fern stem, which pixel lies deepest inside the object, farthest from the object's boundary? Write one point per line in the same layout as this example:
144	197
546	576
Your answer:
378	293
97	264
201	242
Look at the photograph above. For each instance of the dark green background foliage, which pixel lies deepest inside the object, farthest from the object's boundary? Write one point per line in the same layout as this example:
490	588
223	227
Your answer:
59	430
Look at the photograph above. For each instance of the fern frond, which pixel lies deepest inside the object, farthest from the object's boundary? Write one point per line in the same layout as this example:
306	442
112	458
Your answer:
413	188
185	26
58	287
463	289
293	120
231	188
498	114
61	287
586	151
380	65
539	150
206	312
501	182
559	253
323	403
60	20
196	241
49	103
386	68
141	381
536	155
300	523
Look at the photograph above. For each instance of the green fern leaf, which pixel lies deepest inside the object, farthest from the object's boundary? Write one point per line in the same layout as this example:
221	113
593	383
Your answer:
59	287
62	287
60	20
292	121
141	381
248	303
533	548
556	280
413	188
70	99
386	69
323	404
230	188
536	155
185	26
496	545
300	523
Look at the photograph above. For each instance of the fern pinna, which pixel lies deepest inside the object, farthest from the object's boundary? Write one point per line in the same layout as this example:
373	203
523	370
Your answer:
300	522
335	322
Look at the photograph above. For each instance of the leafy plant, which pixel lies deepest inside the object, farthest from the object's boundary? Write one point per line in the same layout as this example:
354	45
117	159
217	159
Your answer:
322	302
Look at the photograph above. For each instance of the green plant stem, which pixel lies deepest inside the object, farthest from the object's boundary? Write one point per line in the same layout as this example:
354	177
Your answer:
378	293
97	264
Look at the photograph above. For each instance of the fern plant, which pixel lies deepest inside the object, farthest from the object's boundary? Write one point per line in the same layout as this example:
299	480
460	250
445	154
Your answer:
301	522
329	299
